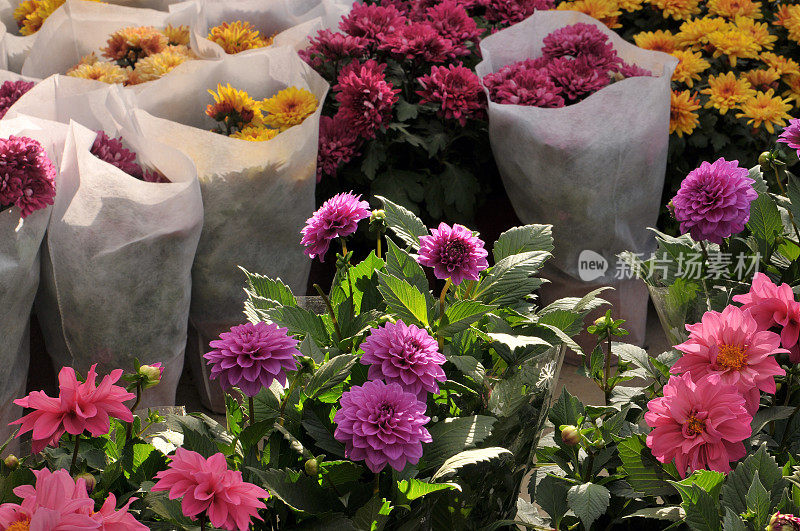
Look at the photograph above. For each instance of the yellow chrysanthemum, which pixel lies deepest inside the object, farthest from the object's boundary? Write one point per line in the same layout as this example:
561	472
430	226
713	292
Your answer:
767	109
101	71
690	65
677	9
781	14
793	92
256	134
31	14
682	118
629	5
85	60
694	33
734	8
289	107
758	30
735	44
762	79
791	21
228	100
25	9
134	43
726	92
783	65
606	11
176	35
156	66
237	37
660	41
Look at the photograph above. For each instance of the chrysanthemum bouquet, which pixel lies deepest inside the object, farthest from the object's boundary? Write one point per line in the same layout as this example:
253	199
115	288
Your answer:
238	36
27	179
31	14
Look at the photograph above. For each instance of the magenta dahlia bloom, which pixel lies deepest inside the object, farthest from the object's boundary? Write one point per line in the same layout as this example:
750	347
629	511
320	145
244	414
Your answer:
508	12
453	252
208	486
791	135
418	41
783	522
699	424
404	354
338	145
10	92
328	47
577	77
731	345
372	22
456	89
27	175
453	22
251	356
774	306
336	218
381	423
365	97
714	201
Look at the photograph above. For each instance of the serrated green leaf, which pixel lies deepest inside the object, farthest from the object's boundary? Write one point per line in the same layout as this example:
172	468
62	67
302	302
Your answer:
402	265
644	472
167	509
551	495
734	491
374	515
403	222
317	422
758	502
732	522
453	435
298	491
413	489
452	465
588	501
330	374
271	289
522	240
300	322
701	511
765	416
511	279
469	366
765	223
461	314
403	299
566	409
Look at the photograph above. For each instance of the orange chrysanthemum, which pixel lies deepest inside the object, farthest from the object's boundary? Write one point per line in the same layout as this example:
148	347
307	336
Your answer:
783	65
289	107
256	134
660	41
767	109
677	9
682	118
758	30
128	45
793	93
606	11
791	21
726	92
101	71
734	44
237	37
762	79
781	14
690	65
176	35
734	8
629	5
157	65
694	33
234	107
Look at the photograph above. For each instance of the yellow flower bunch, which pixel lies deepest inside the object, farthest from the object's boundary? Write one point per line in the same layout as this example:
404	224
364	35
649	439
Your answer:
31	14
238	36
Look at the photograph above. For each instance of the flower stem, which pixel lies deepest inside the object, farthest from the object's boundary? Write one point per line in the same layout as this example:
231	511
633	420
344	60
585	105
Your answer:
285	400
344	247
607	371
707	263
72	470
330	311
378	246
203	522
129	430
442	297
252	419
376	483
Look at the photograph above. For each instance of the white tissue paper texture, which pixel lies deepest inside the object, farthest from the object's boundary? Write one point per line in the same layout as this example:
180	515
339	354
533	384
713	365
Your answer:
594	169
256	195
20	243
116	278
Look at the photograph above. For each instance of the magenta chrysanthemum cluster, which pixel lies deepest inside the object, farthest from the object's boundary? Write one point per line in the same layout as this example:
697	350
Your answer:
251	356
10	92
791	135
714	201
338	144
507	12
336	218
112	150
27	175
456	90
576	62
365	98
453	253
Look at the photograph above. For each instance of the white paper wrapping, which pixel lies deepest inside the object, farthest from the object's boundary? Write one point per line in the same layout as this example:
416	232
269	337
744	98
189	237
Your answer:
116	280
20	242
256	195
594	169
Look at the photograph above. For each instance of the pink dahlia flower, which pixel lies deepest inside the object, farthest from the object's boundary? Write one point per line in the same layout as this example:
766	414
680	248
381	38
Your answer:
456	89
80	406
698	424
372	22
251	356
772	305
336	218
404	354
508	12
714	201
783	522
207	485
453	22
27	175
453	252
578	78
791	135
328	47
381	423
418	41
112	519
10	92
338	145
733	346
365	97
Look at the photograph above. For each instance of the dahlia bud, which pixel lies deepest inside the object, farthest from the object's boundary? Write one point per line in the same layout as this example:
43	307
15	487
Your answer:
377	221
11	462
570	435
89	479
151	374
783	522
312	467
765	158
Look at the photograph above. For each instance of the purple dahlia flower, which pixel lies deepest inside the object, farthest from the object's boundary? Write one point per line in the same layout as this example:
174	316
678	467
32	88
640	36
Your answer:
251	356
337	217
791	135
404	354
10	92
27	175
381	423
714	201
453	252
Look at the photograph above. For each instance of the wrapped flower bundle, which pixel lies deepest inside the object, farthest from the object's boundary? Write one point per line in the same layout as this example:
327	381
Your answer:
27	179
111	150
11	91
31	14
238	36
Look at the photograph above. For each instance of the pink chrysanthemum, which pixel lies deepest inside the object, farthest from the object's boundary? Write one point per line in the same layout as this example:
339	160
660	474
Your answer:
508	12
251	356
577	77
381	424
418	41
453	22
112	150
698	424
456	89
632	70
372	22
772	305
80	406
791	135
731	345
714	201
10	92
453	252
582	41
365	97
524	83
328	47
27	175
336	218
207	485
337	145
406	355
